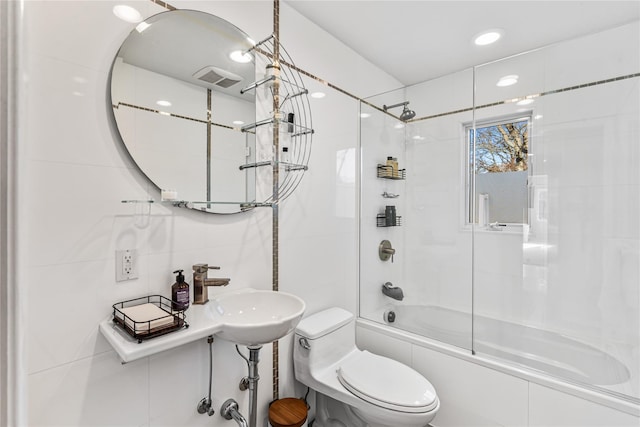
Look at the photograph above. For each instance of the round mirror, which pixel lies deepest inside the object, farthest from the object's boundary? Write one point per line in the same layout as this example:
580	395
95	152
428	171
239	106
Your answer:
176	94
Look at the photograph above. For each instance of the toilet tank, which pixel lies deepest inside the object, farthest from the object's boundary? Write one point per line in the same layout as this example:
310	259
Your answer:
329	336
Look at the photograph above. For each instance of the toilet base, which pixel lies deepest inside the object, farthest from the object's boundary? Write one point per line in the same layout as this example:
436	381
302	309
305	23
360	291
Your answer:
333	413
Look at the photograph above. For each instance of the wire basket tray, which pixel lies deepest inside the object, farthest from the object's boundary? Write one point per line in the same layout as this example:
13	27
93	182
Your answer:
381	221
387	172
158	318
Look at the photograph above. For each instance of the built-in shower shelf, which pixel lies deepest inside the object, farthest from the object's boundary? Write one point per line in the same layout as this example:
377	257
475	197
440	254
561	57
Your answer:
381	221
387	172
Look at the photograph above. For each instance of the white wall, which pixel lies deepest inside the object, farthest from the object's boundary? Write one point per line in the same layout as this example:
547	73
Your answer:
76	175
584	146
583	284
433	257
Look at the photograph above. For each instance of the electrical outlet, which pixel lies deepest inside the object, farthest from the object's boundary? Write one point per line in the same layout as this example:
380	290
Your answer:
126	265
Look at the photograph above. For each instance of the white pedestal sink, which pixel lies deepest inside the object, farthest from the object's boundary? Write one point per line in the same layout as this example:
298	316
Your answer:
253	317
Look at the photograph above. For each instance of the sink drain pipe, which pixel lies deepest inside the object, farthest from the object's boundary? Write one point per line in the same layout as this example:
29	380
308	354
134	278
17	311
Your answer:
252	381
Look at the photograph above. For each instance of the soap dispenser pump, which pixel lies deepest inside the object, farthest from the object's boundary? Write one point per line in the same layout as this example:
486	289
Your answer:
180	292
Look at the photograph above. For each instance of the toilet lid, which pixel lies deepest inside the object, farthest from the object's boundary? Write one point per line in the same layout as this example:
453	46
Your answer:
387	383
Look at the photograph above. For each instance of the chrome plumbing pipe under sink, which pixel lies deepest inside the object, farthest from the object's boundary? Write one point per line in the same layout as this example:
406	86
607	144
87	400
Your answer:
229	410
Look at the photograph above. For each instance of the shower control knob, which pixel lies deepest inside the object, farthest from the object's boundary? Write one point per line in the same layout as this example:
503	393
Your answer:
386	251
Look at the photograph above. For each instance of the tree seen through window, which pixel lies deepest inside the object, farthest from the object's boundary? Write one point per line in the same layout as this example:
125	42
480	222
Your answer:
501	147
499	168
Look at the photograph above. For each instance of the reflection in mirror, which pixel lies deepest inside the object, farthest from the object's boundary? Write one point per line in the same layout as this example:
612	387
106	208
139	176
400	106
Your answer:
175	89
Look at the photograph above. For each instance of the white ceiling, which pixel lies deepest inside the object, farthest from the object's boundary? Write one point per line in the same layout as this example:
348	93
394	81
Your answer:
418	40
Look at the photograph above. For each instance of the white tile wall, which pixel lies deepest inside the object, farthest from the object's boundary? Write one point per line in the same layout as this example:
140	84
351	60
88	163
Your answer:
473	395
550	408
76	175
97	390
586	152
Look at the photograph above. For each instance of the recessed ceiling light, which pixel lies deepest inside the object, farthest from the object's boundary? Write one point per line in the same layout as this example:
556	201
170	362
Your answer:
525	101
365	115
164	113
418	137
240	56
238	122
318	95
538	117
507	80
127	13
399	125
487	37
163	103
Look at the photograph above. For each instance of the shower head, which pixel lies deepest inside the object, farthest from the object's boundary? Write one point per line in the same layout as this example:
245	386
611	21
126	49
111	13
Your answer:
406	114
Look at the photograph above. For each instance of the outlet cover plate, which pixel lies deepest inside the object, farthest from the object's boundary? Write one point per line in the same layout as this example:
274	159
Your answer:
126	265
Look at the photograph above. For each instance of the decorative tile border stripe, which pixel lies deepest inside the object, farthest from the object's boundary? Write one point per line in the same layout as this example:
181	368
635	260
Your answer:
537	95
178	116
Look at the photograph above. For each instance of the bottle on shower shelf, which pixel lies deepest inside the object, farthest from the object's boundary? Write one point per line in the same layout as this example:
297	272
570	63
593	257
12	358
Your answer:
392	167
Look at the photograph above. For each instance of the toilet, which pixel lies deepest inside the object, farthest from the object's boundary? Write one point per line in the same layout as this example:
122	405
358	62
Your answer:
371	390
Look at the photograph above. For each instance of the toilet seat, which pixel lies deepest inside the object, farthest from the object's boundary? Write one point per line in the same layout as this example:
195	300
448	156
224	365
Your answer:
387	383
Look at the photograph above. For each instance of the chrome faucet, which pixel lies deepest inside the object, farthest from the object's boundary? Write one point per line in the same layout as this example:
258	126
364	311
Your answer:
392	291
201	282
229	410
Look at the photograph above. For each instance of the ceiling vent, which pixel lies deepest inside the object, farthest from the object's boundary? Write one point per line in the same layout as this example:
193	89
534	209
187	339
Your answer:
217	76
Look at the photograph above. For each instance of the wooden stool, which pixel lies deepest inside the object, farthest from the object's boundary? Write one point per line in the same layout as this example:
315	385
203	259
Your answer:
288	412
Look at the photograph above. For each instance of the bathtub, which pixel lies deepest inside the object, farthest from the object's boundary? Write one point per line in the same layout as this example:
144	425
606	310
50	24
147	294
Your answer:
521	347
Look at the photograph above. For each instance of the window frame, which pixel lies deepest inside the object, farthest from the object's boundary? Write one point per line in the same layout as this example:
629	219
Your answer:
470	216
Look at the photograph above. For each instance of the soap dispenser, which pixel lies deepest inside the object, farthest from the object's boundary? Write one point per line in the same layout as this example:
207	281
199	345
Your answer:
180	292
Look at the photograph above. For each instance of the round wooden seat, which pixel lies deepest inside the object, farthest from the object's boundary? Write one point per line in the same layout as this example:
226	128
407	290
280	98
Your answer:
288	412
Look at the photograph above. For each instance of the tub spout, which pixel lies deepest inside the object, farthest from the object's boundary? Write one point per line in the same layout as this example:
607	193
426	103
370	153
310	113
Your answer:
392	291
229	410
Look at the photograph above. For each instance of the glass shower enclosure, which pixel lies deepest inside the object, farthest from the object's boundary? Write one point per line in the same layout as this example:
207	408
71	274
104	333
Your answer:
516	234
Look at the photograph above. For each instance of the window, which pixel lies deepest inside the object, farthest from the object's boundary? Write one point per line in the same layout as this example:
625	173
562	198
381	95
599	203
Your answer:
498	170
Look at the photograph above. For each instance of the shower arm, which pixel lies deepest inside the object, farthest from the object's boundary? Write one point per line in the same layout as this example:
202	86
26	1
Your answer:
386	107
406	114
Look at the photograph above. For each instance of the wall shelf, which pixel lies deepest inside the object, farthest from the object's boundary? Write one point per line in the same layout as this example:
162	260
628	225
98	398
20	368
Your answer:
387	172
381	221
287	166
198	204
138	201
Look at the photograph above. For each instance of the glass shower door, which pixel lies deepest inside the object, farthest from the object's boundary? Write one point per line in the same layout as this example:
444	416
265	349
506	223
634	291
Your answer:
557	290
432	241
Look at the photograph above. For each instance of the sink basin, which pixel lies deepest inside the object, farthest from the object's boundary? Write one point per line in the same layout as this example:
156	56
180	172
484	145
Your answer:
254	317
